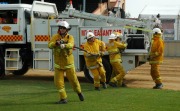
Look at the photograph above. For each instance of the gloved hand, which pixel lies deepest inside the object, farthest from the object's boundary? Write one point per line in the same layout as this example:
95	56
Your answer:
101	54
87	53
57	42
62	46
125	44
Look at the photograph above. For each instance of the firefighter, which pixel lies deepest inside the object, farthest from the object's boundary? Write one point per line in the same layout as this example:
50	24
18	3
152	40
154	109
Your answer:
113	48
95	49
156	57
62	44
119	38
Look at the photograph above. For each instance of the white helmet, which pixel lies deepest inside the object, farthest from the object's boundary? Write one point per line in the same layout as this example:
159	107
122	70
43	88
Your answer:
119	34
90	35
64	24
157	30
112	36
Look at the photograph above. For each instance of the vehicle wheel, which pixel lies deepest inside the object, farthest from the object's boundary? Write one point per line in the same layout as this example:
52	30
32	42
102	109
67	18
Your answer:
136	61
23	70
2	69
107	66
88	75
26	55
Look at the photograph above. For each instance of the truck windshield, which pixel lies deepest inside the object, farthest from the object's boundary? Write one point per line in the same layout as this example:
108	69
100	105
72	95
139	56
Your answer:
8	16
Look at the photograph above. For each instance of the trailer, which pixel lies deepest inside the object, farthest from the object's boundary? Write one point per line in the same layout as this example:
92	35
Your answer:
23	43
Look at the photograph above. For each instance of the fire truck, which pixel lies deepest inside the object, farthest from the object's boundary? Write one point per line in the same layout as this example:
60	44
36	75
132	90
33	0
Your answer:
24	38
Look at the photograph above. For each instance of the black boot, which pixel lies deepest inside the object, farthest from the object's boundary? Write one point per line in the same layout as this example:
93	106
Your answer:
62	101
81	97
112	84
97	88
104	85
123	85
158	86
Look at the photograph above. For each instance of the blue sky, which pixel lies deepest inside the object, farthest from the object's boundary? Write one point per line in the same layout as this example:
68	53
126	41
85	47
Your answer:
134	7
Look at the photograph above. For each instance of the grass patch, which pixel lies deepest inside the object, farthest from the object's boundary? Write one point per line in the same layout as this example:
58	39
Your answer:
40	95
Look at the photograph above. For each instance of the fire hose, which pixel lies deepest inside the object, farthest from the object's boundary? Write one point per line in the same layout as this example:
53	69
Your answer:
86	51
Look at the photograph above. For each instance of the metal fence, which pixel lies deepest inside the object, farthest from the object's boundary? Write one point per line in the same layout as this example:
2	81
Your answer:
172	48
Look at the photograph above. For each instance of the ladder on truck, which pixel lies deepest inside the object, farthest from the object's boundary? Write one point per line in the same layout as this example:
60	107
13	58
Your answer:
12	59
42	59
40	34
71	12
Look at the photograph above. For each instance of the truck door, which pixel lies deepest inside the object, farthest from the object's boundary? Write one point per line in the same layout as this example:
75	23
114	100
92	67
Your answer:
10	31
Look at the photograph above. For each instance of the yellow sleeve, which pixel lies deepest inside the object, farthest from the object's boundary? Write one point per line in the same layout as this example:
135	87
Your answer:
70	43
120	45
102	45
52	42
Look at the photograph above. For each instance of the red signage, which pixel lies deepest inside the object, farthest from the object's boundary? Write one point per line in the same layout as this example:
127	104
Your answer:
100	32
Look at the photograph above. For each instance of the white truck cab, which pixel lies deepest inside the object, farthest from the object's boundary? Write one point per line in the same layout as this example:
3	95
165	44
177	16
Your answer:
13	22
17	32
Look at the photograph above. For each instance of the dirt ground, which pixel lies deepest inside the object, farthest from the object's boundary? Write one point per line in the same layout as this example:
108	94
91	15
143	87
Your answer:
169	70
136	78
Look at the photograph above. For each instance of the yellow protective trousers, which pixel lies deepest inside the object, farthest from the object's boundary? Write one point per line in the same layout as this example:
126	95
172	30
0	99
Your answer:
155	73
59	81
98	72
118	83
118	73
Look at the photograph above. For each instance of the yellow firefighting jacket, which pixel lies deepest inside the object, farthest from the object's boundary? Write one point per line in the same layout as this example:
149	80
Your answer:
157	50
97	47
63	58
113	49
